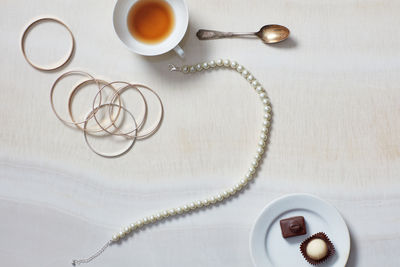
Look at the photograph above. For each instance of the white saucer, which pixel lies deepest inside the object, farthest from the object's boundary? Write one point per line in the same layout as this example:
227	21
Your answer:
269	248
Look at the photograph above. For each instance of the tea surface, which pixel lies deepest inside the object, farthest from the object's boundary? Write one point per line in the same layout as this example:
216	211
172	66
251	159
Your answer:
151	21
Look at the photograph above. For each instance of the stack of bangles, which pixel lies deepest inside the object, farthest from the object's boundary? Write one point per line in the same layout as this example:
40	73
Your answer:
114	104
109	124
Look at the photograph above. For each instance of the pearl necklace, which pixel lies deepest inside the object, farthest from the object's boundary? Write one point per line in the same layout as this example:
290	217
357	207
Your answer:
195	205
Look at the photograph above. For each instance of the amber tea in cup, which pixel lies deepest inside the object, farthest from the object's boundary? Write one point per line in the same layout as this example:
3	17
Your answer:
151	27
151	21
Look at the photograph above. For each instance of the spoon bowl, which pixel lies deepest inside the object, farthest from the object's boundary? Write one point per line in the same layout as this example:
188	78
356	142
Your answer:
271	34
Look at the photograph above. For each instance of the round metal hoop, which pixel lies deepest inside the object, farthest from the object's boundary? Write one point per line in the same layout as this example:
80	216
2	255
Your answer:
154	130
99	93
54	86
132	138
27	30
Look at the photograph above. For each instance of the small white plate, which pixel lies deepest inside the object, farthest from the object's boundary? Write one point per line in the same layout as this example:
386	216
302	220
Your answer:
269	248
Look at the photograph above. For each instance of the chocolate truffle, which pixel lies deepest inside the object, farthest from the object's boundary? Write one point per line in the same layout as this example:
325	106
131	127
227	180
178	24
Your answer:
317	248
293	226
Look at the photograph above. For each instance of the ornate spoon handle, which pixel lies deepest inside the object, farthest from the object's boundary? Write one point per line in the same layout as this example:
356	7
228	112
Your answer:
210	34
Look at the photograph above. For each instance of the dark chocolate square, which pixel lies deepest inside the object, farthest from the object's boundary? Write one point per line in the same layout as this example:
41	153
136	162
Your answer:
293	226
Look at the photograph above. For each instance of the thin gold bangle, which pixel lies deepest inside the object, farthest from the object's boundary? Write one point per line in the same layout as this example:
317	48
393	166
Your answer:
131	139
161	116
99	93
73	72
23	38
117	93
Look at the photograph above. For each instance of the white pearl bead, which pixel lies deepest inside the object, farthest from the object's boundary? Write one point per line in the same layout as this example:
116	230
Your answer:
238	187
199	204
245	73
212	200
252	170
266	101
226	62
225	194
267	109
243	182
219	62
212	63
254	83
185	208
239	68
260	150
158	216
262	95
165	213
121	234
234	64
220	197
254	163
231	191
263	136
132	226
115	238
249	175
185	69
261	143
192	205
171	212
178	210
127	230
250	78
205	65
152	218
266	122
192	69
145	221
267	116
259	89
198	67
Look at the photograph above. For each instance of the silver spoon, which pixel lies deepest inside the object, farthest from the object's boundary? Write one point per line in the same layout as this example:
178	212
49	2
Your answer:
269	34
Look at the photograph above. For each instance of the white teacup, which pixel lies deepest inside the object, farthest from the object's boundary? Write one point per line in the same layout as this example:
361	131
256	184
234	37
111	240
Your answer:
181	15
